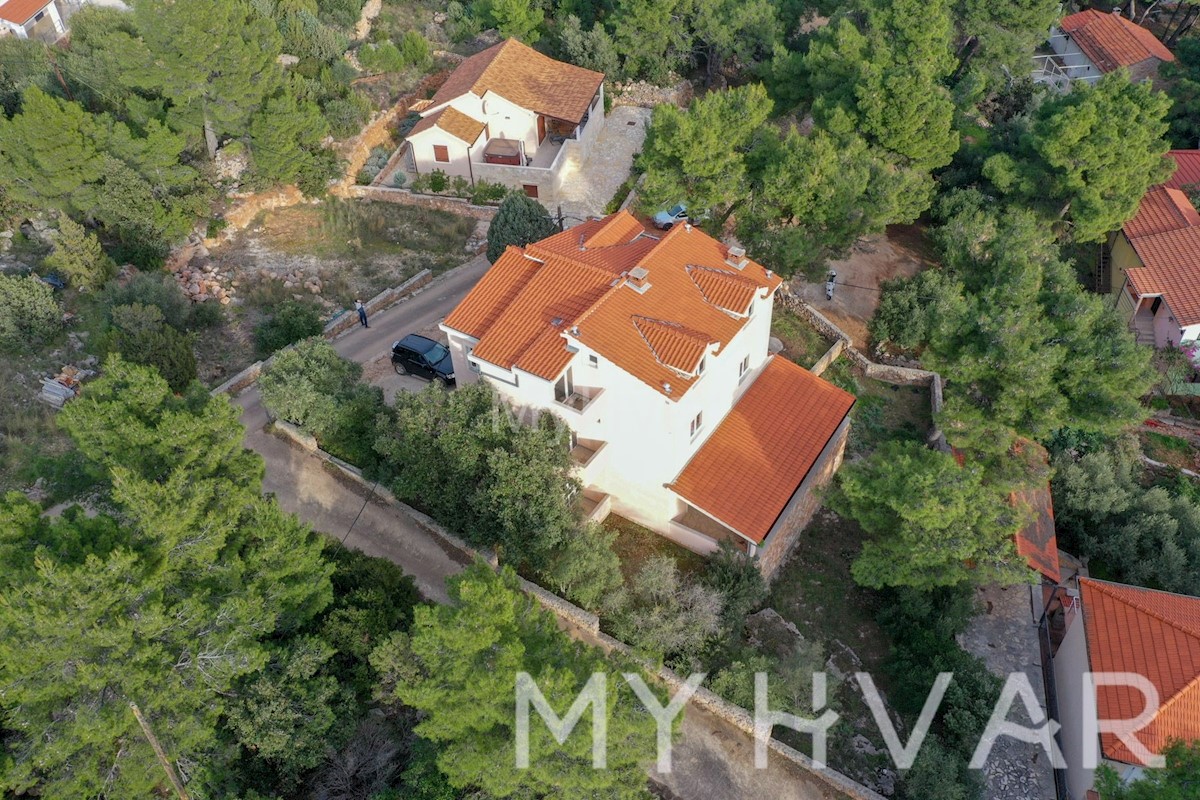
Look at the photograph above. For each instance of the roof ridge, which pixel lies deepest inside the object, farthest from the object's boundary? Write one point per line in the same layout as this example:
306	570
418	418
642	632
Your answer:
678	326
1141	608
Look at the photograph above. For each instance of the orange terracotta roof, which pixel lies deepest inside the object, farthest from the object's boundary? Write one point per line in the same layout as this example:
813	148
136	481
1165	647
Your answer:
752	464
723	288
590	294
1171	263
524	76
1110	41
1162	209
495	292
21	11
1037	542
673	344
453	122
1152	633
1187	172
528	332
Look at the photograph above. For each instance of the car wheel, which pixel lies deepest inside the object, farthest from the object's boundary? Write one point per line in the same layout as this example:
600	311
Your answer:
400	368
668	226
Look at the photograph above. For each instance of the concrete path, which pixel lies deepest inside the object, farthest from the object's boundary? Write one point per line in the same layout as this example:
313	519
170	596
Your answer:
591	185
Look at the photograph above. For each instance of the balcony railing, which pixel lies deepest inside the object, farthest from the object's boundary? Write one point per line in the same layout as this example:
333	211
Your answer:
580	399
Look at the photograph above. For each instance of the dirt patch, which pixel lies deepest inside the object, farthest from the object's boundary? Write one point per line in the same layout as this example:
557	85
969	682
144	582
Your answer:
901	251
637	543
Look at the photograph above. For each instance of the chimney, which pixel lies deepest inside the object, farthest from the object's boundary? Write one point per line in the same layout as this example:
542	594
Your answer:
736	258
637	279
666	387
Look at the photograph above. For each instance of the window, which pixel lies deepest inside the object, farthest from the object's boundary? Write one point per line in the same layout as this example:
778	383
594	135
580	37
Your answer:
530	189
743	368
700	369
696	424
593	361
441	153
564	387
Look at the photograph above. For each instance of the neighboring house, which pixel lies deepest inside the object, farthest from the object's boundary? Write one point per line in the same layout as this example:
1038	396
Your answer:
1154	260
652	347
1090	44
1111	627
509	115
35	19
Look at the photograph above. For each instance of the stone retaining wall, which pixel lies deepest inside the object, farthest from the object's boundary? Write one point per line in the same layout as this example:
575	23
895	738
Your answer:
830	356
455	205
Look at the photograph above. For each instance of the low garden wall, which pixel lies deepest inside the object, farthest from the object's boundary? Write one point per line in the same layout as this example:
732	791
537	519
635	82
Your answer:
339	324
586	626
454	205
887	373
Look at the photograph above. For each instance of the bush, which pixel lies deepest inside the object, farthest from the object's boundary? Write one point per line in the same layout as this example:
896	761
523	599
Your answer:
415	51
204	316
519	221
398	179
347	115
438	181
586	569
911	308
459	187
321	166
735	576
216	224
141	335
291	322
668	617
382	57
374	165
488	193
78	257
29	314
152	289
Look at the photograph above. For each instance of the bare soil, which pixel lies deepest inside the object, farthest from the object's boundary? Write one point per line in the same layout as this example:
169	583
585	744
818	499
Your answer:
901	251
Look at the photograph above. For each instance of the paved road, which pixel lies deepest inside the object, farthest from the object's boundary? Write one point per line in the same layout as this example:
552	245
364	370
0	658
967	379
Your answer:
305	486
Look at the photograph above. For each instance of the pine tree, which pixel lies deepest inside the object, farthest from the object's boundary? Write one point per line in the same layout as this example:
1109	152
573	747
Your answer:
697	156
284	136
519	221
467	656
78	256
167	609
215	60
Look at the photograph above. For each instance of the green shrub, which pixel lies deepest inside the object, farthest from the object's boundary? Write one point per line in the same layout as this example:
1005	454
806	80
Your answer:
204	316
141	335
460	187
382	57
347	115
519	221
318	170
437	181
735	575
151	289
305	385
398	179
488	193
415	51
291	322
78	257
586	569
419	185
29	314
216	224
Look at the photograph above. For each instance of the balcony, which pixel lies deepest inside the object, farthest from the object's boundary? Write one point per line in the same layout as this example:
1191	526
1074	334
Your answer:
596	505
580	399
585	451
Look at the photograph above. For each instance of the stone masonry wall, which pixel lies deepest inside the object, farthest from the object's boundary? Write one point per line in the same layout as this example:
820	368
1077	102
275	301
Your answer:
803	505
454	205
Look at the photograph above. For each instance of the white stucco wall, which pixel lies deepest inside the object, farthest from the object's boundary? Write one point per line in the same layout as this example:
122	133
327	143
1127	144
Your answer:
634	419
422	146
1166	327
1078	65
1070	663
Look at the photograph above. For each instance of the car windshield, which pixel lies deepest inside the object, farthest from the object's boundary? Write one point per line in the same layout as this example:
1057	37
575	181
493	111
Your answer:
435	354
677	210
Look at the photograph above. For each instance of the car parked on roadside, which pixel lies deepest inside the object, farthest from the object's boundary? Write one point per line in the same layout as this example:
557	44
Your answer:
423	357
665	220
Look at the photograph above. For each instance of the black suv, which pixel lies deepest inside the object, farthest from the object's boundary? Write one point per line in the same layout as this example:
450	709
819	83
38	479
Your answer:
425	358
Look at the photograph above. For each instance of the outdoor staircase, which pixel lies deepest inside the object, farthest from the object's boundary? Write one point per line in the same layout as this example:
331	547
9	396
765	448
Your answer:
1103	278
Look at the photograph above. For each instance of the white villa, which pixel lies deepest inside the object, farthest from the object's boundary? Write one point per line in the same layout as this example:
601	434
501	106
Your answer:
1090	44
509	115
653	348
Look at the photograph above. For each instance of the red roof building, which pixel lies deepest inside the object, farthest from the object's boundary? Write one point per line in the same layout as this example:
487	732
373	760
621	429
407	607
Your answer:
1112	42
1155	259
32	19
652	347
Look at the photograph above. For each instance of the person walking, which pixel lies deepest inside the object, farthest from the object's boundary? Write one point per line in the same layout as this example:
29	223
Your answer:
362	313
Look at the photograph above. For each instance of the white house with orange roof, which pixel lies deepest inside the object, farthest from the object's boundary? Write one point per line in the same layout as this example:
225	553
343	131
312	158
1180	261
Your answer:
1090	44
652	347
33	19
1115	628
1154	260
509	115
